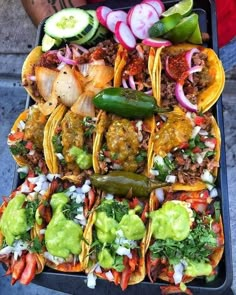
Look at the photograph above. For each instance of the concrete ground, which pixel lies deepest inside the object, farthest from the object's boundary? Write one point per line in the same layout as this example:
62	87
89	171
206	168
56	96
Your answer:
17	38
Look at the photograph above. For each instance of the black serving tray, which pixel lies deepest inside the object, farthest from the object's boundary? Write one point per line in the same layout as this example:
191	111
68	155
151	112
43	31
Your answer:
74	283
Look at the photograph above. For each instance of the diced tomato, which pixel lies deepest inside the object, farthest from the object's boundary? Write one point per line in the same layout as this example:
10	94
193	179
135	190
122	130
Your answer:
116	276
216	227
196	150
198	120
184	145
204	194
144	213
16	136
134	203
29	145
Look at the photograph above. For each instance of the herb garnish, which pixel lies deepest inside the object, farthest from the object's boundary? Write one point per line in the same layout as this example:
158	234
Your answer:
56	141
19	148
31	207
114	209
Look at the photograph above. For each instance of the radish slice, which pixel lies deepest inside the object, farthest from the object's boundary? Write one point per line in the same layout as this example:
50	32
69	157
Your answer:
157	42
179	92
115	16
125	36
157	4
101	13
142	18
188	56
129	15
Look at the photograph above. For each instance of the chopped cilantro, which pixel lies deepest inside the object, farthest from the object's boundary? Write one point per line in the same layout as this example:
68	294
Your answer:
114	209
56	141
164	169
22	175
19	148
31	207
118	264
197	246
37	246
141	157
209	154
70	210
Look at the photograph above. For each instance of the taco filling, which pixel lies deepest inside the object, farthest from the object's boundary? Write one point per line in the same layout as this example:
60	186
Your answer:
125	145
186	238
174	65
26	140
73	143
117	249
135	73
186	149
64	215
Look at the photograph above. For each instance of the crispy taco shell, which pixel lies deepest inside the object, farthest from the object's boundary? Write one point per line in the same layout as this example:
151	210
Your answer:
210	94
214	258
180	133
28	70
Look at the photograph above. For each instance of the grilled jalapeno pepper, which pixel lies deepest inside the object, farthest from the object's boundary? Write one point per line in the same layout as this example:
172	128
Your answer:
127	103
121	182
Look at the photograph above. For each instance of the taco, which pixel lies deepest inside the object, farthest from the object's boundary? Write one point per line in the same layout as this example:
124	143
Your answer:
185	150
21	247
26	139
63	75
190	76
121	144
117	250
68	143
135	70
185	237
64	215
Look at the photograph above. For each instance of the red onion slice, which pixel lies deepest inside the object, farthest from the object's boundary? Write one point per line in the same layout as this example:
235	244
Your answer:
124	83
179	92
131	82
149	92
188	56
79	47
67	57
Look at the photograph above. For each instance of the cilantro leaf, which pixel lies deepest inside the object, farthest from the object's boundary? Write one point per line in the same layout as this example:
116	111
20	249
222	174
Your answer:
118	264
114	209
56	141
19	148
70	210
31	207
37	246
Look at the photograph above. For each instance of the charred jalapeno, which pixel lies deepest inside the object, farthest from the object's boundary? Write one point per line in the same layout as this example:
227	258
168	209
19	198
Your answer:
127	103
122	182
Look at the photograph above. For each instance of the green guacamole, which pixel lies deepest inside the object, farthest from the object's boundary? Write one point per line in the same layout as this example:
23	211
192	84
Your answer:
62	236
171	221
13	223
195	269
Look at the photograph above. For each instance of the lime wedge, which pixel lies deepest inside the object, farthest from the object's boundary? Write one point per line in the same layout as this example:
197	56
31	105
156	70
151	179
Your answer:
164	25
196	37
48	42
183	30
184	8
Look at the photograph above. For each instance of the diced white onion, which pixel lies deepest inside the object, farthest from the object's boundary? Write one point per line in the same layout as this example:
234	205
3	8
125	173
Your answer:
210	144
32	152
60	156
42	231
159	160
79	199
199	158
51	176
123	251
178	273
98	269
87	182
24	188
154	172
159	192
91	280
164	118
21	125
54	259
109	276
80	209
38	187
85	188
19	246
120	233
214	193
6	250
203	132
171	178
207	176
72	188
139	125
109	197
23	169
140	136
33	180
195	131
81	218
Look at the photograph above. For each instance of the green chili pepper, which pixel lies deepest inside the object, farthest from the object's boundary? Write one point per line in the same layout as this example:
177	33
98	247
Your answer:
121	182
127	103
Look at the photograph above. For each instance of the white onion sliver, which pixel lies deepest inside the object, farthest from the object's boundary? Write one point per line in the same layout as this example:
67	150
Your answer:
131	82
159	192
214	193
23	169
109	276
6	250
195	131
210	144
178	273
91	281
171	178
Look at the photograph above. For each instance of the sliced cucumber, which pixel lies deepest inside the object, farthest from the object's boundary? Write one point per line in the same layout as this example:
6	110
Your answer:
100	36
68	23
84	39
48	42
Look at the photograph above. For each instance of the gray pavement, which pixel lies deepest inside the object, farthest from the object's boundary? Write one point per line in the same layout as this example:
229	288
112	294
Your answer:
17	38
